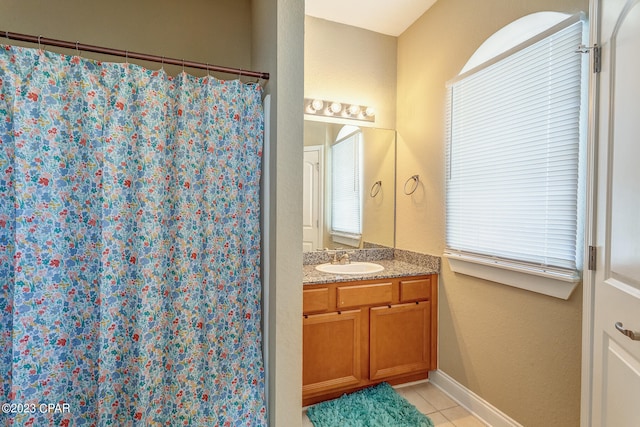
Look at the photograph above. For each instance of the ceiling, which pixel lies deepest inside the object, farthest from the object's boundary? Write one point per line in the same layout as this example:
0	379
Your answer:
389	17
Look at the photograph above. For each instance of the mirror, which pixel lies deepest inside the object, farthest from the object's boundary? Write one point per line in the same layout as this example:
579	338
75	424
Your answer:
358	161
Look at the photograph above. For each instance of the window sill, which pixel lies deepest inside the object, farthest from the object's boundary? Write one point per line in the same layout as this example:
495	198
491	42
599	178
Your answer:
551	284
352	240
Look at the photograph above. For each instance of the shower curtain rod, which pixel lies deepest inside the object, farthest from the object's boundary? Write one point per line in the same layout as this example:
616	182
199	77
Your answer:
135	55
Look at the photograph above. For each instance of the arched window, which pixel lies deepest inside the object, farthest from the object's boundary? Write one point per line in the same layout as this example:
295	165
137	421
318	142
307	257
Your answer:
515	157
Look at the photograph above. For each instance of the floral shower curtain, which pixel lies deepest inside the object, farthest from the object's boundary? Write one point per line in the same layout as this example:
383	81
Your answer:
129	245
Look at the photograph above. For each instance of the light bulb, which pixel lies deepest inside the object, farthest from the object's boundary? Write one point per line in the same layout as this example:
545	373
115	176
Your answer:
370	112
335	107
317	104
354	110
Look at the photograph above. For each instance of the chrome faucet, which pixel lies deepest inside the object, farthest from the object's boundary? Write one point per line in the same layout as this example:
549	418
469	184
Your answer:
344	259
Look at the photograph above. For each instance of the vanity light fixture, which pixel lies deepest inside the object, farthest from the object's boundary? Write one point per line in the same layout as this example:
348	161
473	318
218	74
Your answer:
320	107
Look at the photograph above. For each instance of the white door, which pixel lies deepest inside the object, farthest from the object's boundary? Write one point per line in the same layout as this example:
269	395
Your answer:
312	199
616	336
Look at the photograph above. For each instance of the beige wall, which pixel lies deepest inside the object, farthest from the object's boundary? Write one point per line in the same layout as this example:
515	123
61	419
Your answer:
217	32
378	212
348	64
518	350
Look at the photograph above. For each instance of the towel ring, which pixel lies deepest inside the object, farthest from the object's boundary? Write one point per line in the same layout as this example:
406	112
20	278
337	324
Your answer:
416	180
375	188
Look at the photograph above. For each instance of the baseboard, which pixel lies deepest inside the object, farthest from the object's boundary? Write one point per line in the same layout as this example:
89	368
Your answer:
479	407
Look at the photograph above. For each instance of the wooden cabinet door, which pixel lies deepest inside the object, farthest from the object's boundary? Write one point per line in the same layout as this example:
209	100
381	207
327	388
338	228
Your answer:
399	339
331	351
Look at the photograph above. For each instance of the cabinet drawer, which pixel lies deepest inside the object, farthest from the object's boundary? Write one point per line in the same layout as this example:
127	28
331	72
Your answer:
354	296
315	300
413	290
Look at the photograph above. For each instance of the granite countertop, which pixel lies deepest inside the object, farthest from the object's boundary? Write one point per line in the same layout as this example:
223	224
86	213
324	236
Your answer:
392	268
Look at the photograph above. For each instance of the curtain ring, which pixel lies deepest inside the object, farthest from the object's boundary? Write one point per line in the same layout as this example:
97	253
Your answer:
162	63
416	180
77	50
39	45
183	65
375	188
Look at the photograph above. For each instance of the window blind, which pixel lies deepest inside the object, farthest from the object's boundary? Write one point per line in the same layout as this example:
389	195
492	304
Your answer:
513	157
345	186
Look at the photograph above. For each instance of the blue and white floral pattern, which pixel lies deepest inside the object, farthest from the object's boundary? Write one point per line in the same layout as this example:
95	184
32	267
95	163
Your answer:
129	245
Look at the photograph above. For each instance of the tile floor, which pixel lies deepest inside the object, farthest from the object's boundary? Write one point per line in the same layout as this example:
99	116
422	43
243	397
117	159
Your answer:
431	401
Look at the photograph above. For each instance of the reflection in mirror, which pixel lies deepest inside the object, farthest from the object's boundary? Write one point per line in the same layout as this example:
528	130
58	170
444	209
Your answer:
349	186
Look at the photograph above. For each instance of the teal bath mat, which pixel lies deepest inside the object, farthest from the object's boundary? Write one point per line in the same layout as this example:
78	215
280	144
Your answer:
378	406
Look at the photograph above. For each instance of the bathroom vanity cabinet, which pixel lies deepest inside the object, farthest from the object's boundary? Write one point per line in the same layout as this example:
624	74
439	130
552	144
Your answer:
356	334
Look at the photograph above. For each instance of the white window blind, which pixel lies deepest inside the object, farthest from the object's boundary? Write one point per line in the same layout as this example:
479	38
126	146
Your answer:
345	185
513	158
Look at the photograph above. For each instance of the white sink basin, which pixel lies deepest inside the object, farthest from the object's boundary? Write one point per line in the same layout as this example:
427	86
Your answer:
353	268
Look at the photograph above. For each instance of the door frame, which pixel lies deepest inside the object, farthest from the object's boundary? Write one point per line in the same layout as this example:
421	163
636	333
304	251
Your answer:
321	189
588	276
